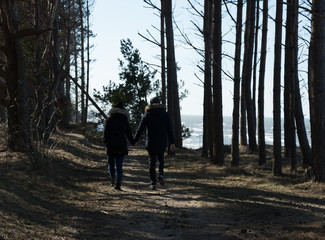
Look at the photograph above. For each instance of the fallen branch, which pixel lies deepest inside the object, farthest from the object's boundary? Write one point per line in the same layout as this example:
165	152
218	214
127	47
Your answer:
89	97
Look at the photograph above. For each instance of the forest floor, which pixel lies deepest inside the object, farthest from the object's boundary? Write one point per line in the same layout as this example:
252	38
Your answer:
72	197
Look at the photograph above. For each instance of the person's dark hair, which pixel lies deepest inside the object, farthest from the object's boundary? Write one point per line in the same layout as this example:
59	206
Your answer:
119	105
154	100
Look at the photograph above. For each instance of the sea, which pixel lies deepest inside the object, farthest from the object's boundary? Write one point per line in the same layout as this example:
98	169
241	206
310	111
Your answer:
195	124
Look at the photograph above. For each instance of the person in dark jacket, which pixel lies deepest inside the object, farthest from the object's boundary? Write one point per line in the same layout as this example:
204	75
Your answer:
117	128
156	121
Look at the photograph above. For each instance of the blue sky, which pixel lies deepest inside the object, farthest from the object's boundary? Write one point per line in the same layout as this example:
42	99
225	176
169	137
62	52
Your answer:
115	20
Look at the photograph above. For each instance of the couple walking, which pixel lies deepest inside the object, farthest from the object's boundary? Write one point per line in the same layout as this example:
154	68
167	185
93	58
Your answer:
157	123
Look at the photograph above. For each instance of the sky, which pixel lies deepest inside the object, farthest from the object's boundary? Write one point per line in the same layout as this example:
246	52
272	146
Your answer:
113	20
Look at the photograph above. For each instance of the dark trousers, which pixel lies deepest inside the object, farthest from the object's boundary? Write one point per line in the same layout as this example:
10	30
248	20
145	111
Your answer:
119	168
152	161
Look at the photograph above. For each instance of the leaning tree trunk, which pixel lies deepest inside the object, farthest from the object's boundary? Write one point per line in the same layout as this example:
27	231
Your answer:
261	128
301	129
18	107
299	116
317	91
235	114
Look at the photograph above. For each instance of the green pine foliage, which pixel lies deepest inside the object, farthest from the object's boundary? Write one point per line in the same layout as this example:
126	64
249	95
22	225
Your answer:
137	84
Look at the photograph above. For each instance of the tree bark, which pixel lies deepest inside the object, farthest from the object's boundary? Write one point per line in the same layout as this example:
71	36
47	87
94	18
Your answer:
207	101
40	123
55	80
82	51
277	159
261	128
247	73
235	114
301	129
291	72
75	44
172	85
88	59
18	105
317	91
218	147
163	57
255	57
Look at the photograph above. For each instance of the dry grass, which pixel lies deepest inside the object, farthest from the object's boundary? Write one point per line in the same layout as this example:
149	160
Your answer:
73	199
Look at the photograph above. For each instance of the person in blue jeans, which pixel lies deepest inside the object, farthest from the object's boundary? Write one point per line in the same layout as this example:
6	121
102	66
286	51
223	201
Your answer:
117	129
159	129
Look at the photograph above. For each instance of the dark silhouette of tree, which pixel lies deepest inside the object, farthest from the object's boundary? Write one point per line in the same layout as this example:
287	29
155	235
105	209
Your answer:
247	74
261	128
218	148
15	75
317	88
277	161
207	147
235	114
172	85
290	73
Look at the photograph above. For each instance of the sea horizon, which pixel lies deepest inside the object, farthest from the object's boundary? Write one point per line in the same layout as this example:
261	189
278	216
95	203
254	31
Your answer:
195	124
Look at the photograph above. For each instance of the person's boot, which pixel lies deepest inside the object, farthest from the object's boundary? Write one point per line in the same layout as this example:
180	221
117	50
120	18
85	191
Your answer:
161	180
112	182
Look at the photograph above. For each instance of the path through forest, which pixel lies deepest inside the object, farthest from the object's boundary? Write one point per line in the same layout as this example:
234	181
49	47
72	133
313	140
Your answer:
74	199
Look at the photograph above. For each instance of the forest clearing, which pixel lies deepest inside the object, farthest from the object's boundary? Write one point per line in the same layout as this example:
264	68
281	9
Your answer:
73	198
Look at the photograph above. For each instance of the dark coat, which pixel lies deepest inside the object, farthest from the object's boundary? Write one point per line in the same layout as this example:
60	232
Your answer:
156	121
117	128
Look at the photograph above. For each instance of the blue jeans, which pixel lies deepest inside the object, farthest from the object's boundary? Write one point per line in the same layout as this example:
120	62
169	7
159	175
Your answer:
119	168
152	162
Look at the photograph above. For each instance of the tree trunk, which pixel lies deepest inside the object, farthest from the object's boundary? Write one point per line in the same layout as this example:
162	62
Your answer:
82	50
172	86
291	72
317	92
75	43
18	106
207	101
247	73
277	161
261	128
40	123
255	56
55	80
88	61
235	114
218	147
163	57
301	129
